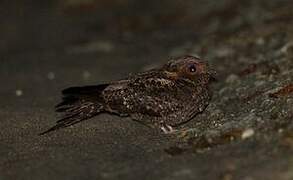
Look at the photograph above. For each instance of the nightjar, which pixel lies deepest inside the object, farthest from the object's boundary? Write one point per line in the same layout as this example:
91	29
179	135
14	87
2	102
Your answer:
164	97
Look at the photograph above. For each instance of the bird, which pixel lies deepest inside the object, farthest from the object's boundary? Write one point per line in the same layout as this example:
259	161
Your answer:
164	97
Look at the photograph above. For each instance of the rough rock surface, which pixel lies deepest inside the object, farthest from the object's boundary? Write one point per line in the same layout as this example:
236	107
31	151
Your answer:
245	133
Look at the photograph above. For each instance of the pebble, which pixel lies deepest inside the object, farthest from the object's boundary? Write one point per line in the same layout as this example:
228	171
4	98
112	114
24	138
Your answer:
224	52
18	92
86	75
260	41
259	83
232	78
51	75
247	133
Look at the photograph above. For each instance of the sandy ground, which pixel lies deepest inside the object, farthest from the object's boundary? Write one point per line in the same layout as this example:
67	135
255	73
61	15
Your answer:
245	133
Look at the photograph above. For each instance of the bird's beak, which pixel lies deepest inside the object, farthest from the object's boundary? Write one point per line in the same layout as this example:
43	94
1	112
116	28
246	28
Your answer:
213	75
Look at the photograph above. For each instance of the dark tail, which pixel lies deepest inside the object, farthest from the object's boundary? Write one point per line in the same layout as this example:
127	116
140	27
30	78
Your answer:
79	104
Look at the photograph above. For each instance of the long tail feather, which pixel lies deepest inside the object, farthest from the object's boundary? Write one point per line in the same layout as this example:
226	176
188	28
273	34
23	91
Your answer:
79	104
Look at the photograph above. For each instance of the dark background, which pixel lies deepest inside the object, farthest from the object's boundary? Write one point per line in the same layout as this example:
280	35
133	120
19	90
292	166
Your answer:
245	133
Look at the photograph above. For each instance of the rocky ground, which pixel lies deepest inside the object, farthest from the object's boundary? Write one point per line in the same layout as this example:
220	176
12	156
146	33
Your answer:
245	133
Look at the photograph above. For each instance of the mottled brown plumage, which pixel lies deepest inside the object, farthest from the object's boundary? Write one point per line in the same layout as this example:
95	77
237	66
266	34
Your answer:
164	97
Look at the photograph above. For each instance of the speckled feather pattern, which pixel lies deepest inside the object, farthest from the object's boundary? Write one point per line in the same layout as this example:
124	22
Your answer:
167	96
152	99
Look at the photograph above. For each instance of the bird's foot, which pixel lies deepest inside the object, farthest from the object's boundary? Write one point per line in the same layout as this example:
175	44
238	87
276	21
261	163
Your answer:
188	133
167	129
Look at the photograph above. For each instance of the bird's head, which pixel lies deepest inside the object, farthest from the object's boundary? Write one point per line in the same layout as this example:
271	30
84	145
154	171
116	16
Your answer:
189	68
